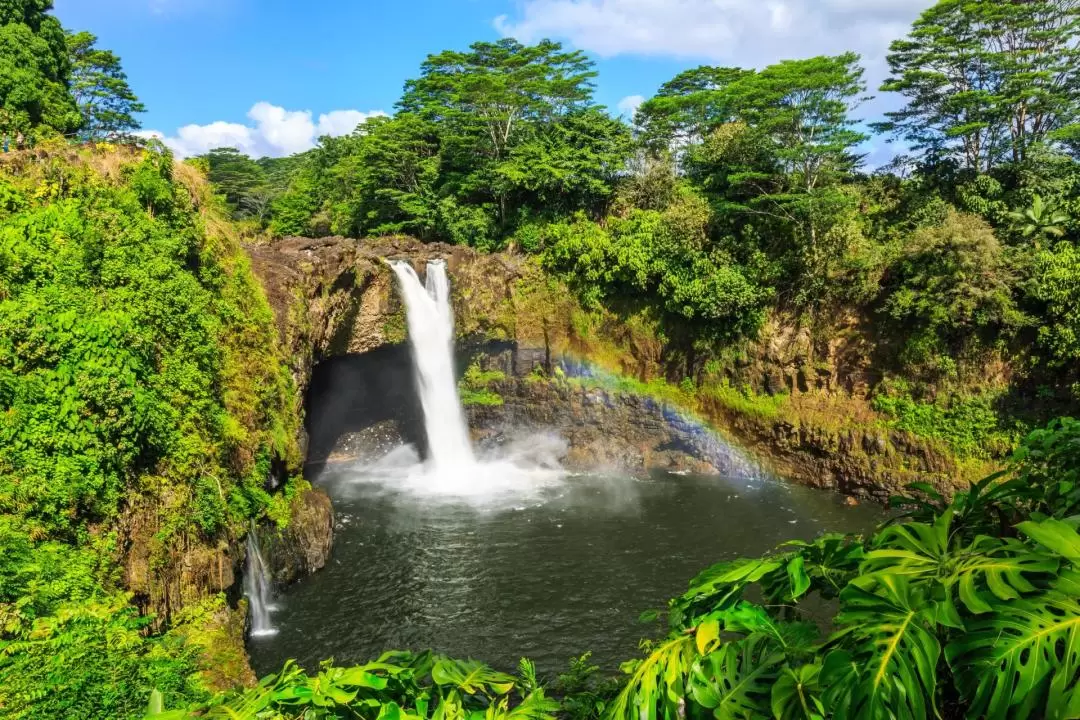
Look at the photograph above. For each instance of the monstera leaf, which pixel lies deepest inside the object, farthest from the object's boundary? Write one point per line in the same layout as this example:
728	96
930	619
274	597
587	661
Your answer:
978	511
657	686
719	588
884	662
535	706
796	694
824	565
925	554
1056	535
471	677
751	620
735	681
1022	661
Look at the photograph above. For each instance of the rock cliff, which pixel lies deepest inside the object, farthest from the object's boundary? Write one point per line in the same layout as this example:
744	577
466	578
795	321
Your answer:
335	297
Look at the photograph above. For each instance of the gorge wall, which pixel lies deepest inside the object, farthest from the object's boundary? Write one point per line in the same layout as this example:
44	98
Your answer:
335	297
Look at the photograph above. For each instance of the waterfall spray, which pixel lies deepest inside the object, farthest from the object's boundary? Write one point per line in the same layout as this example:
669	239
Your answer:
451	471
257	588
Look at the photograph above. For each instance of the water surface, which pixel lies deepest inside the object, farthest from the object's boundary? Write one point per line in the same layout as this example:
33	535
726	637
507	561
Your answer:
567	571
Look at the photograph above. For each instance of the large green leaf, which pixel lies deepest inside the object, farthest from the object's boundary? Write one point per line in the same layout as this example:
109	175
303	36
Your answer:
657	686
926	554
1059	537
824	565
1022	661
753	620
796	694
471	677
535	706
735	681
720	587
884	662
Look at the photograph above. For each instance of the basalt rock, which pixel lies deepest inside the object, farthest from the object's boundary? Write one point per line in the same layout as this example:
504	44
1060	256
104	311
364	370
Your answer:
335	297
303	546
868	463
606	430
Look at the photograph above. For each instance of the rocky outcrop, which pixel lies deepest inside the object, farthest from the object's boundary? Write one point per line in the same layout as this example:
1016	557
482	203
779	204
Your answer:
303	546
167	573
868	461
334	297
608	430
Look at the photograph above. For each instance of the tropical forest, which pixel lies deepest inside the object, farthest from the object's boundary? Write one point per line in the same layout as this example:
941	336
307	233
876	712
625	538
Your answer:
749	397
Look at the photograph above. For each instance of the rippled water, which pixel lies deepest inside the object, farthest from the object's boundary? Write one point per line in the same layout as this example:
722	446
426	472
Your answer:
569	571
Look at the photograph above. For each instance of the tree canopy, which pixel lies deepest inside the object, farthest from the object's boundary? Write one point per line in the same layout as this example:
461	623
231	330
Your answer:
100	88
57	82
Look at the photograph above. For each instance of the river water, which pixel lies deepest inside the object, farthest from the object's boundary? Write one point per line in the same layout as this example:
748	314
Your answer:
568	571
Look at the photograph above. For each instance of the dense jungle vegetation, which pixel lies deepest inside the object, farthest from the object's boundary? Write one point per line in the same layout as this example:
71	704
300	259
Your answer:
961	609
141	385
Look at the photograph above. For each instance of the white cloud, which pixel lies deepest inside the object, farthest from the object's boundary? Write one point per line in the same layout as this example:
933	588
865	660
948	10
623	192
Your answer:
629	105
342	122
273	131
750	33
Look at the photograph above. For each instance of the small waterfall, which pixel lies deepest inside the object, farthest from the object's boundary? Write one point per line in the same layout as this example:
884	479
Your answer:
257	589
430	320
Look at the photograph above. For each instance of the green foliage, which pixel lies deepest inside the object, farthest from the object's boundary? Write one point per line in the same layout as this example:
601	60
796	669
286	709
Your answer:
240	180
951	287
475	387
397	686
661	254
138	364
34	72
116	310
688	107
70	649
1040	221
936	619
100	88
985	82
1054	289
971	426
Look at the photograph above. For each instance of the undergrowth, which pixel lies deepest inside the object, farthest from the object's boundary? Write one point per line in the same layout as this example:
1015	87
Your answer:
138	369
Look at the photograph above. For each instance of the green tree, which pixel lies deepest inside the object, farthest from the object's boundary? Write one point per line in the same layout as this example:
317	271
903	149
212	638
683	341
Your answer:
486	101
571	163
782	163
240	181
688	107
99	85
950	287
387	182
1054	291
986	81
804	107
34	71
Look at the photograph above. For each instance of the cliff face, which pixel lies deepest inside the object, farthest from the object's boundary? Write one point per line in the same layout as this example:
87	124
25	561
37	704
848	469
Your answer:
334	297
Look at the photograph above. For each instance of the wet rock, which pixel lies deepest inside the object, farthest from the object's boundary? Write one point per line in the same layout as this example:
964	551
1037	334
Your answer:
167	574
303	546
614	431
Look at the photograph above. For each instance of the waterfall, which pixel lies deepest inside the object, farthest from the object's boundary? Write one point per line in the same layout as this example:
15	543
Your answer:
257	588
430	320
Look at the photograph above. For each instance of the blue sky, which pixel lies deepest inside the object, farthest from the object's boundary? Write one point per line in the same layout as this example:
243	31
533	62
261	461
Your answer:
271	75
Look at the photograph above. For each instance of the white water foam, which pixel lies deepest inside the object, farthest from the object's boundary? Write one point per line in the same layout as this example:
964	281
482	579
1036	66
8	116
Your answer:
522	470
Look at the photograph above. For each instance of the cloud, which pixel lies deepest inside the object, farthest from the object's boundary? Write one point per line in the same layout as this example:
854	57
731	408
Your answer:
744	32
629	105
273	131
